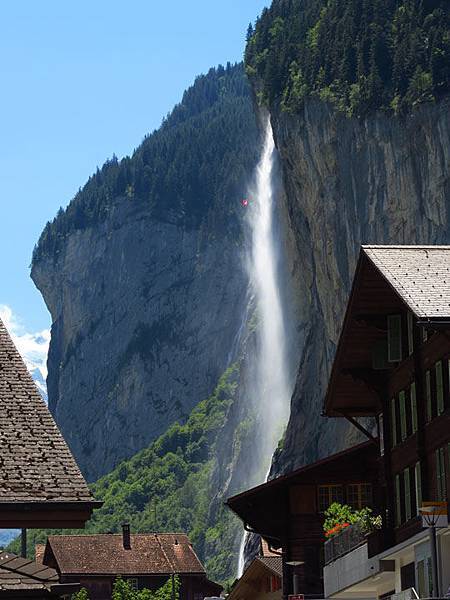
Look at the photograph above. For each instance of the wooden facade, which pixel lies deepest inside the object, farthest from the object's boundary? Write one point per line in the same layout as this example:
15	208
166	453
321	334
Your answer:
393	363
288	511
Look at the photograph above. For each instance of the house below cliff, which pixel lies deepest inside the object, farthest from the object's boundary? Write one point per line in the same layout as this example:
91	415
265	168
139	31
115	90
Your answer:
145	561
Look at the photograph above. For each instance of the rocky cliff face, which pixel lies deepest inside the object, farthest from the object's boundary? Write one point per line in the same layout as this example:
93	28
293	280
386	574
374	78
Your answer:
143	326
348	181
143	276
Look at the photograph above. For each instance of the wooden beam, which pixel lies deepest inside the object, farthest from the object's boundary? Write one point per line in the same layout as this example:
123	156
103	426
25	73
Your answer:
362	429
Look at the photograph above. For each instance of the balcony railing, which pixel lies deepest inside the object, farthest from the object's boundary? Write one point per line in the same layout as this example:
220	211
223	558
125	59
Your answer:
344	542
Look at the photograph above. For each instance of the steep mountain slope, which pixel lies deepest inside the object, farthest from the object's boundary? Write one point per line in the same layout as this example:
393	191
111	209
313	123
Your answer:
143	277
353	172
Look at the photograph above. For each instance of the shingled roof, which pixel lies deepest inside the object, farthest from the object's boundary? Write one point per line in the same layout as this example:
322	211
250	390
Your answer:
104	554
21	577
419	274
36	465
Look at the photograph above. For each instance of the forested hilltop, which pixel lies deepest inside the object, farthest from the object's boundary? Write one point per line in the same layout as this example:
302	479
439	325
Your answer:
360	55
202	152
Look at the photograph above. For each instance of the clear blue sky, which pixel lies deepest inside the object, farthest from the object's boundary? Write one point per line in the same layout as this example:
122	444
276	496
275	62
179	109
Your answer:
83	80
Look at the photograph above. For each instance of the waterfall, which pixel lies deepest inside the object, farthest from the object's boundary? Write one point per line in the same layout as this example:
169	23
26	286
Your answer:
271	387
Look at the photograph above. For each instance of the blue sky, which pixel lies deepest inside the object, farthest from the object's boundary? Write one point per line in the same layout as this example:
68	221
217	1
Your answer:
81	81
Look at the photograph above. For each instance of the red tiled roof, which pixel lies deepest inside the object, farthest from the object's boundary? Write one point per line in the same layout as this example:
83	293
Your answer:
36	464
150	553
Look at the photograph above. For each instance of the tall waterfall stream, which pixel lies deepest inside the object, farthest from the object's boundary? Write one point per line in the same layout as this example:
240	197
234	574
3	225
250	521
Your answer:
271	387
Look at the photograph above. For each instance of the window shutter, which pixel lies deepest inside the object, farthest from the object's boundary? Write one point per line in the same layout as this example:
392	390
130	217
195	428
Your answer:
393	423
398	510
410	333
394	338
413	406
441	487
428	395
407	494
401	398
418	486
439	388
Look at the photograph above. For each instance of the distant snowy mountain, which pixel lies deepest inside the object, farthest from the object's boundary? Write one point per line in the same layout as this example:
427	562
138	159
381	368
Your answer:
33	347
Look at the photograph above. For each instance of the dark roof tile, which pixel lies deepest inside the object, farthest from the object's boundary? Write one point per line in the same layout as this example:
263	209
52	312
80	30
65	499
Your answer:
35	462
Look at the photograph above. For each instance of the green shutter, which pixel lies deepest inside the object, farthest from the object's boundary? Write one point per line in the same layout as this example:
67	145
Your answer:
438	474
398	510
394	338
418	486
443	474
428	395
393	423
441	484
401	398
439	388
410	333
407	494
413	406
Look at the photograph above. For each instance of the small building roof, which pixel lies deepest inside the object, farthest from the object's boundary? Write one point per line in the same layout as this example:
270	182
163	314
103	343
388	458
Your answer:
249	585
419	274
36	465
273	563
104	554
21	577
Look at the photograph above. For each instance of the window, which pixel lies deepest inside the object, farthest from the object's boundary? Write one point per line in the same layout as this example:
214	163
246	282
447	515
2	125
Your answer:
133	583
359	495
393	423
441	484
413	400
428	395
329	494
401	398
439	388
394	338
410	333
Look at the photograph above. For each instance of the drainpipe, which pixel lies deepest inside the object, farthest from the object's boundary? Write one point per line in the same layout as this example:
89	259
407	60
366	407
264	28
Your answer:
23	543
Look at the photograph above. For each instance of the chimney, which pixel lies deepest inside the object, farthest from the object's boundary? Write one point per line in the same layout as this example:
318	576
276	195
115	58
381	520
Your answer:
126	538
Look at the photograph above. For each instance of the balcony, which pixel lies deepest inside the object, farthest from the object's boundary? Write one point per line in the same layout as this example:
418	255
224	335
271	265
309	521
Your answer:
343	543
350	568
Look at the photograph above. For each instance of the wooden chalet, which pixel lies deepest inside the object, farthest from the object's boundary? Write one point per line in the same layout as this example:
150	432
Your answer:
40	482
288	511
146	560
262	579
392	366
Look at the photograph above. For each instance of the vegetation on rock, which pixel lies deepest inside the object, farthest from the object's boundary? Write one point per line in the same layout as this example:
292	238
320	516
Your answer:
193	168
360	55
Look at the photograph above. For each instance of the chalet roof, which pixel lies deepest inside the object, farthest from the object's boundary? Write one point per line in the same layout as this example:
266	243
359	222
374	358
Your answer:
23	575
36	464
419	274
388	280
150	553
